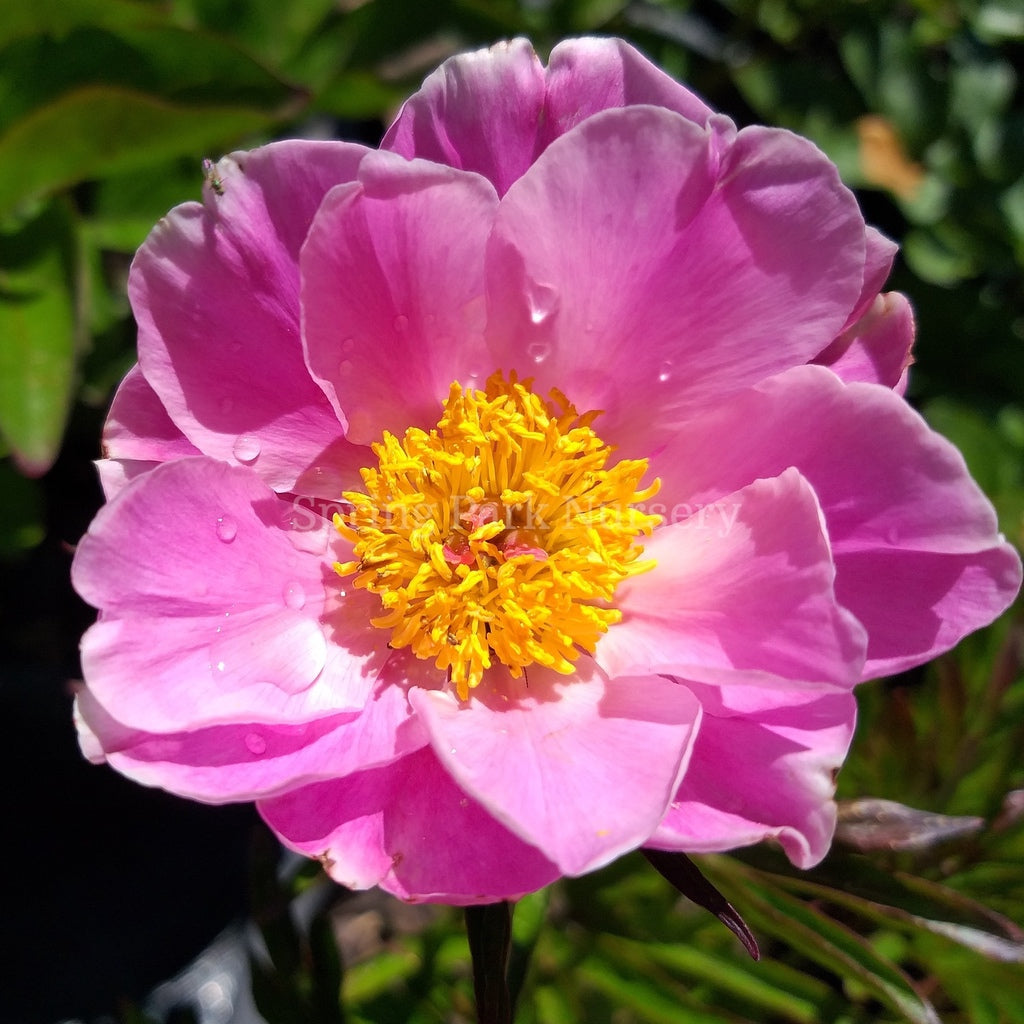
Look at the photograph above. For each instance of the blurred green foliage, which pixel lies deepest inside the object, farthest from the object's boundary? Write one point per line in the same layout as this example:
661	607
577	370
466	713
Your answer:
107	108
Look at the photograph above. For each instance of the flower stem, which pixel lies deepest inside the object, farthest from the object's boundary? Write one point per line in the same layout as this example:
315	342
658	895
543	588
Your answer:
489	928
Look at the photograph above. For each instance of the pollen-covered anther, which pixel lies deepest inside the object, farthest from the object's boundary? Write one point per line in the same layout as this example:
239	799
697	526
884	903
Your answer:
500	535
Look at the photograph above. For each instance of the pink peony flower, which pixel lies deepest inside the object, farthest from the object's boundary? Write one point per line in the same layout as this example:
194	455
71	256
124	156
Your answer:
605	403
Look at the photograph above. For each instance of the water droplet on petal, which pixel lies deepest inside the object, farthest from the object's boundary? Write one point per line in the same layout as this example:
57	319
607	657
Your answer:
538	351
665	372
246	448
227	529
463	802
255	743
221	666
344	367
401	323
543	299
294	596
348	346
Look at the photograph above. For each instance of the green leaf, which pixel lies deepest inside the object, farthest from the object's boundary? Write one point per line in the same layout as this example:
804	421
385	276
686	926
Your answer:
37	336
104	130
823	941
59	17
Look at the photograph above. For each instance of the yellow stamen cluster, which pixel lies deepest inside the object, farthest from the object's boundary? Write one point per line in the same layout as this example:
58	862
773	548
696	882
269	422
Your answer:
499	535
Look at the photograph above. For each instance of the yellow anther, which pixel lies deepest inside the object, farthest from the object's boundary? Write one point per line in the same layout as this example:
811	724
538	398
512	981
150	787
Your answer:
498	536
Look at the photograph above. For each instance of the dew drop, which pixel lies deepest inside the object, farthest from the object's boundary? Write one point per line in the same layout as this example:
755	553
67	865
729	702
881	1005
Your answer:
255	743
538	351
345	368
401	323
221	666
227	529
543	299
246	448
463	802
294	596
665	372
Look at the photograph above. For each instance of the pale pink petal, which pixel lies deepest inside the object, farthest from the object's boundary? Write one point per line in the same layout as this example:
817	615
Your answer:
409	829
876	349
582	769
209	594
766	776
215	291
741	596
895	495
248	760
648	267
392	292
480	112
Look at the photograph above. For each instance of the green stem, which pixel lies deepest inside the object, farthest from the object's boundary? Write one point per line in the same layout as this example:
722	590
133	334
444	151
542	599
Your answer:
489	928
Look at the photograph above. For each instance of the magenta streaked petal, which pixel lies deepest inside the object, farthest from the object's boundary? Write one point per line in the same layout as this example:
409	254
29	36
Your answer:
215	290
479	112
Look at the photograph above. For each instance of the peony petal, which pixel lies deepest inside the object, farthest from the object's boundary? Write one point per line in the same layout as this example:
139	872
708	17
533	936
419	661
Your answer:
212	606
586	76
245	761
896	497
876	349
409	829
138	426
494	111
644	256
917	604
215	291
757	777
741	594
479	112
392	292
879	254
582	770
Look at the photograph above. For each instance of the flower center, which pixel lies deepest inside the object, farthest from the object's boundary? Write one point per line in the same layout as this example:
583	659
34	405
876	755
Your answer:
499	535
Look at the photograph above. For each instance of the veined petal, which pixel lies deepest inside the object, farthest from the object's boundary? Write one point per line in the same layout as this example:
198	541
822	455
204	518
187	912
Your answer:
393	292
743	595
409	829
642	255
215	291
494	111
583	771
